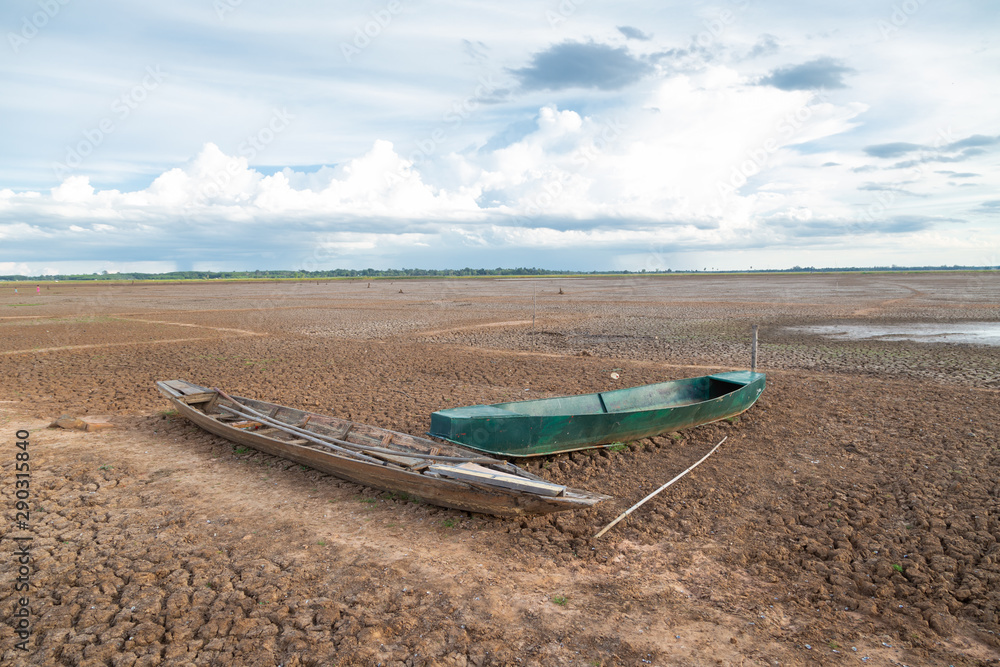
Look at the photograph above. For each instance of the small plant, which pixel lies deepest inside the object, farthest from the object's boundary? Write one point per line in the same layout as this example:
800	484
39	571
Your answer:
370	501
733	420
834	645
448	523
321	543
167	414
897	567
240	450
560	600
617	446
676	436
107	466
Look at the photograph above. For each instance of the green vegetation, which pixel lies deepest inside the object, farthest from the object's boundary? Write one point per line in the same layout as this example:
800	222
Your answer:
897	567
106	466
467	272
560	600
240	450
448	523
617	447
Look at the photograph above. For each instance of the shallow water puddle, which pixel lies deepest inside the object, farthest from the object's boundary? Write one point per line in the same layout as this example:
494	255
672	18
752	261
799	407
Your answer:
976	333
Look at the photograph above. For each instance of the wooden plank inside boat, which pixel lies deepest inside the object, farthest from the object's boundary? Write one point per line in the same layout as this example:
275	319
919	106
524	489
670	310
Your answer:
471	472
500	489
194	399
400	459
185	388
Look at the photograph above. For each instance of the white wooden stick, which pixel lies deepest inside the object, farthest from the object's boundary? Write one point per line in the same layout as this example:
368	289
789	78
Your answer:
640	503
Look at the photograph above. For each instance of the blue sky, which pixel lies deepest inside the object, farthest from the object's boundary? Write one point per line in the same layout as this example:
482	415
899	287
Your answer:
571	134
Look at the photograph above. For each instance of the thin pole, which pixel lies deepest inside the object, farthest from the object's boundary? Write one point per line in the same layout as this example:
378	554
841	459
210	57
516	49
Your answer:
533	341
641	502
753	351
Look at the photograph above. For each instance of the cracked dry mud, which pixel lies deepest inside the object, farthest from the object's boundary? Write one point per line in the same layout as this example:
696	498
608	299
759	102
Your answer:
851	517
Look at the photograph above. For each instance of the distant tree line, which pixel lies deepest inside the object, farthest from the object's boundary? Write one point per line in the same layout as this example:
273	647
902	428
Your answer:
273	274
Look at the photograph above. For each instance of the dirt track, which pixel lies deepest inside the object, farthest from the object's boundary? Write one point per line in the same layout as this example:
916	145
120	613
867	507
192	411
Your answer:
854	507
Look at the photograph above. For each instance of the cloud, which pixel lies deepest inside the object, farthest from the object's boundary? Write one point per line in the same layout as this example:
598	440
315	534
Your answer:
634	33
582	65
955	174
766	45
967	154
825	72
976	140
880	187
893	149
839	228
713	169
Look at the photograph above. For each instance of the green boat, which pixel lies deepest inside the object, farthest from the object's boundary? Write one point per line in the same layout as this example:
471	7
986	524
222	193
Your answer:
567	423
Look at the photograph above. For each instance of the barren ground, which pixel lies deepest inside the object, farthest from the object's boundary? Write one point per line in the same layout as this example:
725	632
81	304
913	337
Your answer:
852	516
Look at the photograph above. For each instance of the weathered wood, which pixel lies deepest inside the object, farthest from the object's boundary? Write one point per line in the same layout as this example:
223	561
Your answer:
185	388
493	478
418	482
276	425
405	461
337	444
203	397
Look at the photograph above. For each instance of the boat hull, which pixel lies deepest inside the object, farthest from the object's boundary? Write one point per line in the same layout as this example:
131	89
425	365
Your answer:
554	425
439	491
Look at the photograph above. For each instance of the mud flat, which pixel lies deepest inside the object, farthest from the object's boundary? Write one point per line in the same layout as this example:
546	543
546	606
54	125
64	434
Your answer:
851	517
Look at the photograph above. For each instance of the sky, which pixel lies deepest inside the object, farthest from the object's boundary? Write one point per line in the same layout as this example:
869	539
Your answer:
564	134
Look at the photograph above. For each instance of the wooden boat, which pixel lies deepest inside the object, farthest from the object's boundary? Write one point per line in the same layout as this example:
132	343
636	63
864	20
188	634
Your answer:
437	473
566	423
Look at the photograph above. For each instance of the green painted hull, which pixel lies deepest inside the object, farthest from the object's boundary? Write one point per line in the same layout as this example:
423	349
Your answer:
553	425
